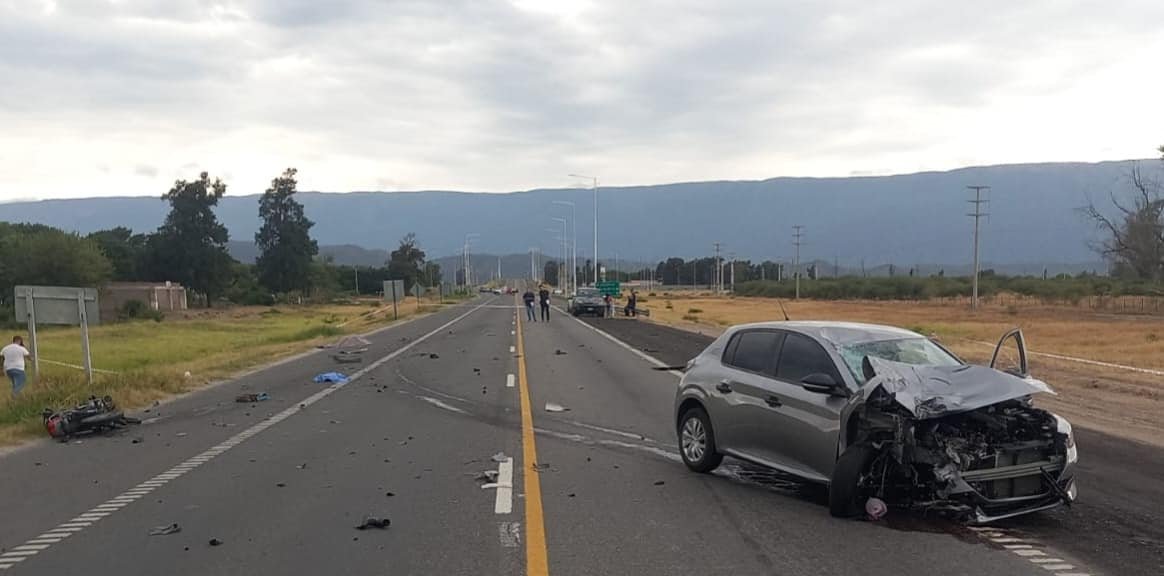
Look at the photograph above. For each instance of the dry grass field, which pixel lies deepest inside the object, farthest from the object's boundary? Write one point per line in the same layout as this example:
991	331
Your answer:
1120	402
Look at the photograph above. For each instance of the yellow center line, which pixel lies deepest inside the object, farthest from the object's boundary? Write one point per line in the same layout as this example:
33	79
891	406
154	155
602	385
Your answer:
536	558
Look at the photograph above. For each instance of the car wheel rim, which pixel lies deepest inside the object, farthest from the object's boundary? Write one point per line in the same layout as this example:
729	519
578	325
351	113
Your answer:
694	440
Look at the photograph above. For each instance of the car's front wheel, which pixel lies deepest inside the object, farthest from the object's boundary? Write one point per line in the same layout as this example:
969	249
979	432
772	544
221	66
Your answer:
846	494
697	441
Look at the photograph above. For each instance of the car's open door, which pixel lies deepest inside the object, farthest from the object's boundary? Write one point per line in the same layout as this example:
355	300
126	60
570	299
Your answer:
1010	355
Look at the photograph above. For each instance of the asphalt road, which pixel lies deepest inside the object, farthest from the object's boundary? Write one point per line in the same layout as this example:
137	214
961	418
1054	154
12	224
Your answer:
594	489
1116	526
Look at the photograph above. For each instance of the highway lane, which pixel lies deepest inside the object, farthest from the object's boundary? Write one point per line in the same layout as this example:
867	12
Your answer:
1117	525
283	487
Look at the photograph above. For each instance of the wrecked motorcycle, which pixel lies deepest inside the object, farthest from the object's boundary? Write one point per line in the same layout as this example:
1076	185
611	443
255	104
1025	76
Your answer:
94	415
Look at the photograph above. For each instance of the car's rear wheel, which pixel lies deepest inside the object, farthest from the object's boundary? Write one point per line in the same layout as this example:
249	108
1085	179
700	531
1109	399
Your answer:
846	494
697	441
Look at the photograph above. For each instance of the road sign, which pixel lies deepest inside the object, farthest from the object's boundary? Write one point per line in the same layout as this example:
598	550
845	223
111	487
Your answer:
608	287
58	305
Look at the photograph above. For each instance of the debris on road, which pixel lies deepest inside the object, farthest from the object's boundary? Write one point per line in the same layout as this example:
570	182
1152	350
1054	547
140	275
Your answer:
389	494
164	530
498	457
487	476
281	484
337	377
434	356
559	352
659	482
541	467
252	398
180	434
215	542
374	522
137	440
554	407
302	466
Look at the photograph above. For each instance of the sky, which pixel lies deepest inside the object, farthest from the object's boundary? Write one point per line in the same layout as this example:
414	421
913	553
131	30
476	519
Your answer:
123	97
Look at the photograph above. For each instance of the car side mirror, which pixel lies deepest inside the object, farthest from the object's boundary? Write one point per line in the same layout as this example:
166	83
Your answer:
822	383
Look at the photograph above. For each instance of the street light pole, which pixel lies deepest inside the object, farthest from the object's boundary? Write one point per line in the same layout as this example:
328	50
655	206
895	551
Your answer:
594	181
468	260
573	242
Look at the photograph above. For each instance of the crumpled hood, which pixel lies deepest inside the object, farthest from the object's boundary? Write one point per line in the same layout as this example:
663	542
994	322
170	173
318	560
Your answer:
934	391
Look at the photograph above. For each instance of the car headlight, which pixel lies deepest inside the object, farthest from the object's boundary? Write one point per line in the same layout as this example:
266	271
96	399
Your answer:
1064	427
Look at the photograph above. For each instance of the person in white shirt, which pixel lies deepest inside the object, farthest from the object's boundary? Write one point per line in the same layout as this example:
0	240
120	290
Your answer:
14	355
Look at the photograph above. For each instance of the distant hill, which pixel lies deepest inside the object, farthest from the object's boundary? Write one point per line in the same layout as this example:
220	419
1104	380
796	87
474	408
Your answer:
906	219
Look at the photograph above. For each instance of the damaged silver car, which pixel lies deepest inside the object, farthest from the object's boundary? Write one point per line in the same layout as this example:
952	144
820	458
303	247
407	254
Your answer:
882	415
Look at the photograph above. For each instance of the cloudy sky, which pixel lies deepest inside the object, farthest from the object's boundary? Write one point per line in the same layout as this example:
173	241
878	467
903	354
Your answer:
122	97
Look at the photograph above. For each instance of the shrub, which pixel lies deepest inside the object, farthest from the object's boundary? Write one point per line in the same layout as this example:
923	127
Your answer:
694	311
690	318
138	310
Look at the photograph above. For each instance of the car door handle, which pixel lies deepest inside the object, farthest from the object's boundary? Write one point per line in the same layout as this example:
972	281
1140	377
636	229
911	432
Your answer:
724	386
773	401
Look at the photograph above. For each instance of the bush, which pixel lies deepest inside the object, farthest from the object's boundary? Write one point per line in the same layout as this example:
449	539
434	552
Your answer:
138	310
690	318
694	311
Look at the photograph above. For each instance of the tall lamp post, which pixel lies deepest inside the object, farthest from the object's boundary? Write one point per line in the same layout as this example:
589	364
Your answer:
573	241
594	182
468	261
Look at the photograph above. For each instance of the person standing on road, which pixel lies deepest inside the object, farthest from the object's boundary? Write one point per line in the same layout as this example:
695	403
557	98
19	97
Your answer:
14	355
632	303
528	298
609	305
544	298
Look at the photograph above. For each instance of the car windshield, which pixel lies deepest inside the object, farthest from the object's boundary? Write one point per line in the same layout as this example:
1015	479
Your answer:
917	351
588	293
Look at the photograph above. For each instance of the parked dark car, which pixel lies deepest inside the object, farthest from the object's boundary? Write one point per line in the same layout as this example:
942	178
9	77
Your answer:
587	301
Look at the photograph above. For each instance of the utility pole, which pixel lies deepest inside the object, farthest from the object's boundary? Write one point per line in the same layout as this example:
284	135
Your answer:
977	215
356	269
717	279
733	265
796	269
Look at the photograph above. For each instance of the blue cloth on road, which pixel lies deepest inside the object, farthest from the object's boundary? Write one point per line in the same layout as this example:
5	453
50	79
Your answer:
330	377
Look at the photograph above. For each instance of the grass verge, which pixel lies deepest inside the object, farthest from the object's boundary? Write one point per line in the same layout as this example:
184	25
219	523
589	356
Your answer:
149	359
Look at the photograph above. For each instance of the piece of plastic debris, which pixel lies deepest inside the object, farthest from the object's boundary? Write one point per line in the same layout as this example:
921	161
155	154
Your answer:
186	374
434	356
164	530
215	542
554	407
180	434
389	494
330	377
250	398
559	352
281	485
374	522
137	440
487	476
875	508
499	457
302	466
570	495
659	482
541	467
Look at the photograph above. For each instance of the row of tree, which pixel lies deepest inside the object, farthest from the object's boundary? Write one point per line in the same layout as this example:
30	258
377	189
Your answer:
190	247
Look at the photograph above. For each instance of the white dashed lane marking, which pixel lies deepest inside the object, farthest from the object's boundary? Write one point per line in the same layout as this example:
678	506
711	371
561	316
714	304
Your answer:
509	379
1027	549
36	545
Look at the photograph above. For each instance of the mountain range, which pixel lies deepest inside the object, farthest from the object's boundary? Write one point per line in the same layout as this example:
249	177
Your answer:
1033	218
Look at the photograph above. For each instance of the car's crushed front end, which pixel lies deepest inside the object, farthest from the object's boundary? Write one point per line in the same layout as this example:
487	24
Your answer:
963	440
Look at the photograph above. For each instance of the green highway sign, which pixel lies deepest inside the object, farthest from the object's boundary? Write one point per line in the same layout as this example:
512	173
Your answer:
610	287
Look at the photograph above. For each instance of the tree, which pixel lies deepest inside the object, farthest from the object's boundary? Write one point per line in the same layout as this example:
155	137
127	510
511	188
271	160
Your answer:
190	246
432	274
550	273
125	250
284	240
404	263
1133	236
40	255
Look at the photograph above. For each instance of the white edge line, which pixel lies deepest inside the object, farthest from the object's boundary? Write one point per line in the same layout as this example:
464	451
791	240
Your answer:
639	353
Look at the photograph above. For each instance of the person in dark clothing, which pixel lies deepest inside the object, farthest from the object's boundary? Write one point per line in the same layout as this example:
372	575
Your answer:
528	298
544	298
632	303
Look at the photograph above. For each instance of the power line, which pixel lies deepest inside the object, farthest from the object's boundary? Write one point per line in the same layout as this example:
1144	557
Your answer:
977	215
